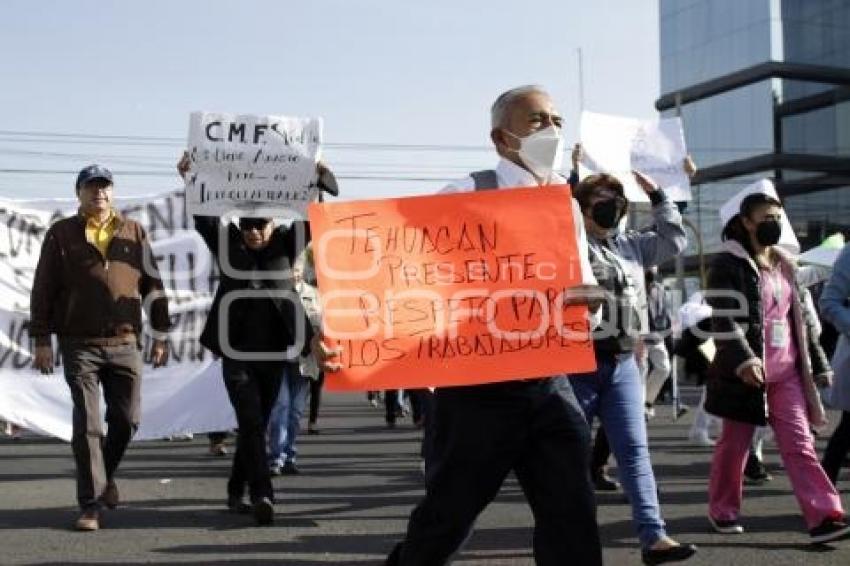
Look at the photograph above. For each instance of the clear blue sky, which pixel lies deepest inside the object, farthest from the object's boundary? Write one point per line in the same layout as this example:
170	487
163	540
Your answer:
378	71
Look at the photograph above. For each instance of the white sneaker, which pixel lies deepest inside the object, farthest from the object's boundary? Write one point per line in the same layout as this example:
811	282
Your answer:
701	438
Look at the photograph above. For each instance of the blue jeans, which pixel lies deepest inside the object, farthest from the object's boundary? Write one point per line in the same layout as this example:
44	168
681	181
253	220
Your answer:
286	416
614	392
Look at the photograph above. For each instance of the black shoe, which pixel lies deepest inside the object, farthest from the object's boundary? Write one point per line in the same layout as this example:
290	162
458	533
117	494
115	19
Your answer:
110	496
290	469
603	482
755	473
263	511
275	470
726	527
672	554
235	504
829	530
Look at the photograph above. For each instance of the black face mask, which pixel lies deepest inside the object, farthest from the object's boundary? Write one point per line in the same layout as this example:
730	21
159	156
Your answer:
606	213
768	232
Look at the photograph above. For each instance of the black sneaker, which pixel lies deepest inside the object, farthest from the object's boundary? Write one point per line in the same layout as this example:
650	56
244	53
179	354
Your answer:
263	511
290	469
755	473
732	527
829	530
603	482
235	504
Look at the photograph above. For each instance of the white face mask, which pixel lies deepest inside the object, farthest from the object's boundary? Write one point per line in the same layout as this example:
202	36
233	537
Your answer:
542	151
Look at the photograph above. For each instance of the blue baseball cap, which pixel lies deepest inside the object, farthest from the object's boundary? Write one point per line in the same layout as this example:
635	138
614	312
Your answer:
93	172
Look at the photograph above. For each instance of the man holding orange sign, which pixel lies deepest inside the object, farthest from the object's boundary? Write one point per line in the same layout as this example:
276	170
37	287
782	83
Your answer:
481	330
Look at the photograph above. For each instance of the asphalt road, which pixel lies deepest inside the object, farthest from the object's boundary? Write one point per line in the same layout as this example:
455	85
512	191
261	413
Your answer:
359	483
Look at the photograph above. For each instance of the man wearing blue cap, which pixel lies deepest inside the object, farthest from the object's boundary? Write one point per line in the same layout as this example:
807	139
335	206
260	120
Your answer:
94	273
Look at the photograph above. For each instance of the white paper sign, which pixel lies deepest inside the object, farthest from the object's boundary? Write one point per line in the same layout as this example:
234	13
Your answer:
617	145
244	165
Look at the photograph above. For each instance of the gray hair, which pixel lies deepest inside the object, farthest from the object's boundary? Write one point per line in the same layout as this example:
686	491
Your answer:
499	110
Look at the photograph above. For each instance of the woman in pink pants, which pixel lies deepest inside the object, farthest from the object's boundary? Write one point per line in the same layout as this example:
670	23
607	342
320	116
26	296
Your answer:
767	363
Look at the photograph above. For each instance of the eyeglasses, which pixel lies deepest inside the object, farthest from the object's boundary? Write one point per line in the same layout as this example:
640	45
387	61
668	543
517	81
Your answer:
248	224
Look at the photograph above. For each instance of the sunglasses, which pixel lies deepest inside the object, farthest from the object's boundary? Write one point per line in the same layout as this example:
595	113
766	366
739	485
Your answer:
248	224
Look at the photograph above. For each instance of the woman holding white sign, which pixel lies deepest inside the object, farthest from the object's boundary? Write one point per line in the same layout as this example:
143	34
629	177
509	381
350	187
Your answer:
258	331
614	392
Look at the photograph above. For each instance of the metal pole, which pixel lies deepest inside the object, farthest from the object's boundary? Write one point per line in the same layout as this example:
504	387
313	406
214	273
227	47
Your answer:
680	284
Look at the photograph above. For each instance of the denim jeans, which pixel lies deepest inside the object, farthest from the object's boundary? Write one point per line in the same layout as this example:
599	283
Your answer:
614	392
286	416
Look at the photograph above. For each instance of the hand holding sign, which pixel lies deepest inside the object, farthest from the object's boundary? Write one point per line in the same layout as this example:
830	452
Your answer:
618	146
325	355
262	166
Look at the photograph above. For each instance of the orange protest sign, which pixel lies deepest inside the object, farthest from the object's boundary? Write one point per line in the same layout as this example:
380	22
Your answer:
450	289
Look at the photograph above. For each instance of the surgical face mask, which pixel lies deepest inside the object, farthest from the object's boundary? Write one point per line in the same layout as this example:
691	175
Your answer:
542	151
606	213
768	232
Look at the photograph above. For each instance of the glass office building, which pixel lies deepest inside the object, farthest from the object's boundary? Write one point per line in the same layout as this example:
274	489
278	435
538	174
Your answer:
763	87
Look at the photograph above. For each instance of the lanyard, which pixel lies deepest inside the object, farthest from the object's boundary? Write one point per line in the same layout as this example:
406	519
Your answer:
774	280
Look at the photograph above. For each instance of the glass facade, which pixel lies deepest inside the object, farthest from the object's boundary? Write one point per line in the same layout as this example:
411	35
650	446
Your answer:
702	40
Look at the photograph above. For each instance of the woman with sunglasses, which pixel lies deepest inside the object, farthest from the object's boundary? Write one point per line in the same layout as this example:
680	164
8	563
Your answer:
252	323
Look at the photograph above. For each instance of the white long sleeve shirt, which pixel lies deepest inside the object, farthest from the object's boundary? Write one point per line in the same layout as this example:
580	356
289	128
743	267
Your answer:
510	174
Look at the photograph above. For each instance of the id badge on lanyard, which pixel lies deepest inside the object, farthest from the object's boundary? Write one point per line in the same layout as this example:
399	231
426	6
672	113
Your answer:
778	333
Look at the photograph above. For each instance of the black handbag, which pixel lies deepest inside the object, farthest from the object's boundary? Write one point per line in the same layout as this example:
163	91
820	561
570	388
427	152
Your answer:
731	398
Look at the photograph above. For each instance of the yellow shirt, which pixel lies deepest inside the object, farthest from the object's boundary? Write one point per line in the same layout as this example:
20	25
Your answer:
99	235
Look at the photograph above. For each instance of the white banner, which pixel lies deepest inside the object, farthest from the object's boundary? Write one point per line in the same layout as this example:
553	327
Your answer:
247	165
187	395
617	145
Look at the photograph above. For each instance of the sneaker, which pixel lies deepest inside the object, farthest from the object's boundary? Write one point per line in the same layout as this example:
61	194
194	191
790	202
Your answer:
236	504
263	511
732	527
829	530
109	497
274	470
88	521
218	449
700	438
290	469
755	473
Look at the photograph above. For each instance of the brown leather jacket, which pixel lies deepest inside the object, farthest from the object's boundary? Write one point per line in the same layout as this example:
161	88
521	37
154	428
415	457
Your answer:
81	295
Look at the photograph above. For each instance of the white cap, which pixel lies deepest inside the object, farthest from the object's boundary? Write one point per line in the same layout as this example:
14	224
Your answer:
764	186
694	311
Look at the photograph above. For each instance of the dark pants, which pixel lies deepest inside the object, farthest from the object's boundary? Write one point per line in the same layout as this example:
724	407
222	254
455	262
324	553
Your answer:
481	433
418	404
392	405
601	451
316	386
118	369
253	388
837	448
